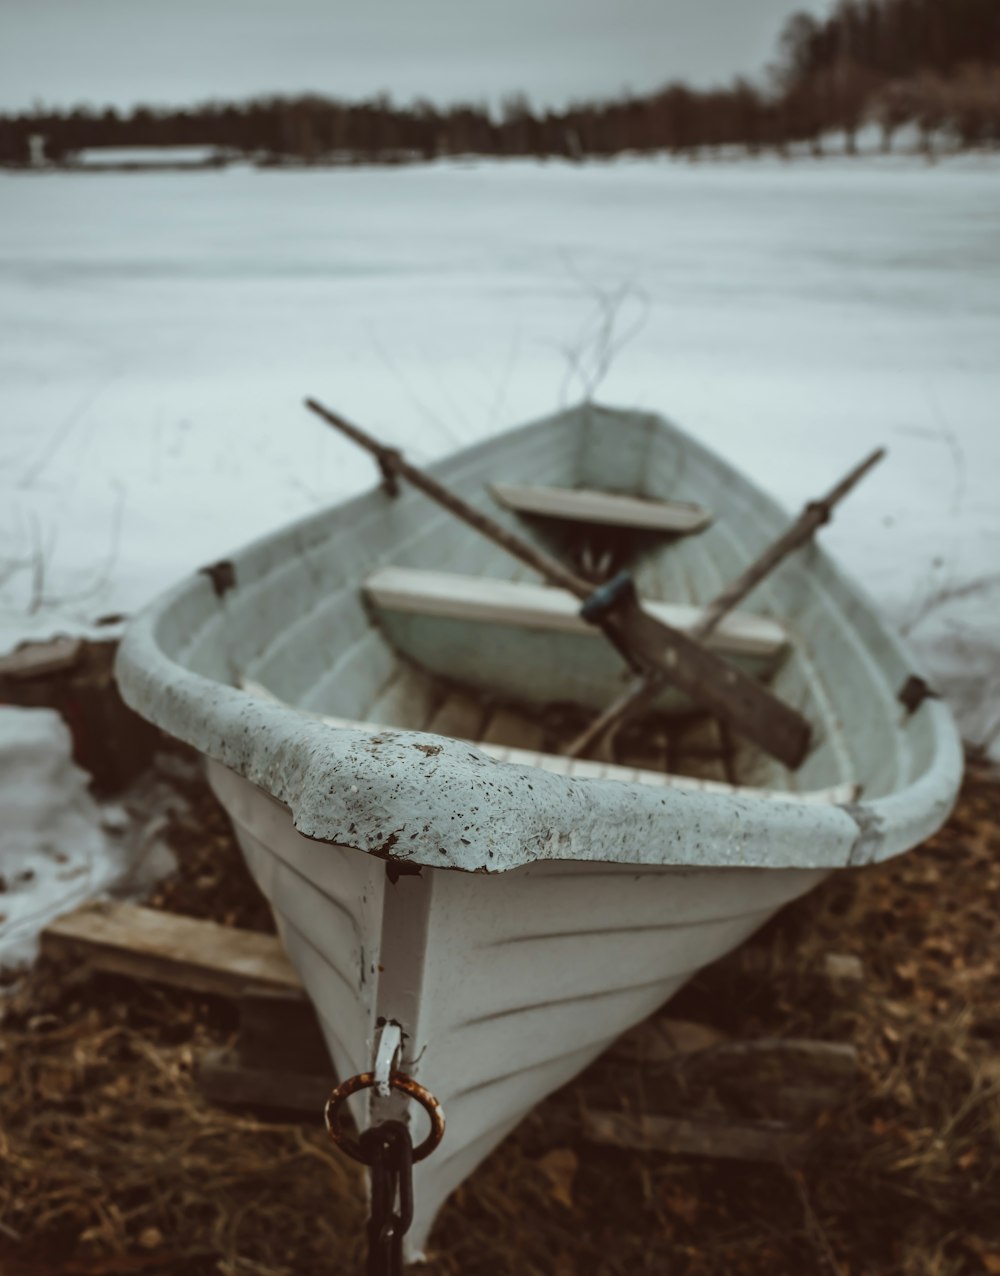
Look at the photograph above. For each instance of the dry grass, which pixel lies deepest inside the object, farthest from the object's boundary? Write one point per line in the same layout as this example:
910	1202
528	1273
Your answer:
112	1163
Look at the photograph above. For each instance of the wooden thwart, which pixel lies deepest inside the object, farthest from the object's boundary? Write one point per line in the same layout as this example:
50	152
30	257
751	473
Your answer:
582	505
146	943
454	596
837	975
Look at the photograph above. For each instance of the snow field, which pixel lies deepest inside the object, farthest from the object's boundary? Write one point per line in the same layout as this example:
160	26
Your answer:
161	330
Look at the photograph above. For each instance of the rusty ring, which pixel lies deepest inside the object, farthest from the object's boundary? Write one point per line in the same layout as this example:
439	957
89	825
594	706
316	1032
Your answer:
398	1081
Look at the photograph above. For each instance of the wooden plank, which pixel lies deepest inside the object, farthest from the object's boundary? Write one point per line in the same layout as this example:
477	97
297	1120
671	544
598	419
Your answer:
594	769
280	1032
145	943
699	750
839	974
280	1060
767	1141
554	763
460	716
658	1039
37	658
769	1060
407	700
647	749
507	602
843	972
513	730
224	1079
584	505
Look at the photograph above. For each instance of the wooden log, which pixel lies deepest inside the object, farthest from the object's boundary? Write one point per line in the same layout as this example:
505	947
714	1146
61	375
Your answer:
145	943
74	677
812	517
454	596
279	1031
779	1057
843	973
662	1040
772	1142
836	974
789	1078
223	1078
800	1105
36	659
767	1059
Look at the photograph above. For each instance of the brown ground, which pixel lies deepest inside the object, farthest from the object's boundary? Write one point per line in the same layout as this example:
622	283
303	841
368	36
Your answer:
110	1162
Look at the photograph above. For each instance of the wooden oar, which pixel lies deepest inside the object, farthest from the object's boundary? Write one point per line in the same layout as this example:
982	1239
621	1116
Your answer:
649	645
646	687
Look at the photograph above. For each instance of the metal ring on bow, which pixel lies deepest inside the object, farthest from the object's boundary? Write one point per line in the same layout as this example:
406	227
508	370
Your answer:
398	1081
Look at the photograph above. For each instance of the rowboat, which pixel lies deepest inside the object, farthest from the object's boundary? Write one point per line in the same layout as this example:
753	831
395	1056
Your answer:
383	698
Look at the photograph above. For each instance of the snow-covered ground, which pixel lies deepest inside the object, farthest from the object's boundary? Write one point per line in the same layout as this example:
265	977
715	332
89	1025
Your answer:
53	851
58	847
160	332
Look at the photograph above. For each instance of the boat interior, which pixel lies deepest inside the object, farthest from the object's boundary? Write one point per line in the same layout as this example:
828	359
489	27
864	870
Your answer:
388	611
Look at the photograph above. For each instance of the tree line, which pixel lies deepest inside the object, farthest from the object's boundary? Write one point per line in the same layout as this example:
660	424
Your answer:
931	63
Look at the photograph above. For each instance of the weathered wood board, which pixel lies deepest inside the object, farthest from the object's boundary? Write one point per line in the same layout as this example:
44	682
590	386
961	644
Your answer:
145	943
586	505
768	1141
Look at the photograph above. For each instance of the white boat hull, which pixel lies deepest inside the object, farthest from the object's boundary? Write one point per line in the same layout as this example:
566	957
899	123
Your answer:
505	986
381	741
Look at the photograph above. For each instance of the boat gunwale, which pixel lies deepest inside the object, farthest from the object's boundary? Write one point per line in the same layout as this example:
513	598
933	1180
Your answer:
385	795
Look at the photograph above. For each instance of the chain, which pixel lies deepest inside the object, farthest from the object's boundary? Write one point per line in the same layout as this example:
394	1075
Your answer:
389	1152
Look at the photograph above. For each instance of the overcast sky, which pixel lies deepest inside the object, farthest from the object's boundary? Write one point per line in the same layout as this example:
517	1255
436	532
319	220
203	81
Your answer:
64	52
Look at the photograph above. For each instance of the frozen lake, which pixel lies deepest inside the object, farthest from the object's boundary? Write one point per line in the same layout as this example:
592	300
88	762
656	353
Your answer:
161	330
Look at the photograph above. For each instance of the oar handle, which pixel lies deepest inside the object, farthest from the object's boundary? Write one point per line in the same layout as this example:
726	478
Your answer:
392	459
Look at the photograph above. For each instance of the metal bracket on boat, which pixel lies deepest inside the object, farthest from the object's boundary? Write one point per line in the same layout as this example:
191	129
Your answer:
613	597
388	1045
386	463
607	597
914	692
367	1081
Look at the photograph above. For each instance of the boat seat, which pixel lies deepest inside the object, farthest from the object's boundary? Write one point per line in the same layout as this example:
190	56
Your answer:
507	602
582	505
